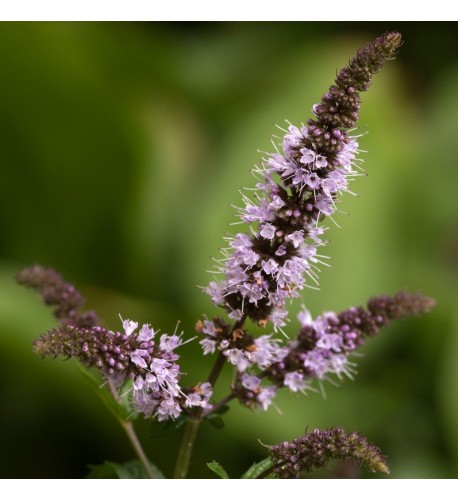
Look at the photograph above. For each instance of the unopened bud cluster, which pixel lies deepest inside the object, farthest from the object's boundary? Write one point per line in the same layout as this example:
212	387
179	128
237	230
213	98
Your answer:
58	294
317	449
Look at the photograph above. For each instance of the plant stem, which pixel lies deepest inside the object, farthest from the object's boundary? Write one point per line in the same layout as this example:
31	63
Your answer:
185	452
190	431
217	367
221	359
219	405
132	436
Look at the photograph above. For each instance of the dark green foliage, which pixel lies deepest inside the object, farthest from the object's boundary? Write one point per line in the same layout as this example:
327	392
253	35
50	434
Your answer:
129	470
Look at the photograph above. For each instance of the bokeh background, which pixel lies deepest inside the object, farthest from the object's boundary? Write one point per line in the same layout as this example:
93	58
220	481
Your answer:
122	147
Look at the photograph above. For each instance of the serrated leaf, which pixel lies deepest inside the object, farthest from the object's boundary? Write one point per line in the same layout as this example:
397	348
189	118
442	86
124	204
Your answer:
135	470
258	468
129	470
218	469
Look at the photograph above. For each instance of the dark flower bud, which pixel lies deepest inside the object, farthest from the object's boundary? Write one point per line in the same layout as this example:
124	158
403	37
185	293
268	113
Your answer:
317	449
57	293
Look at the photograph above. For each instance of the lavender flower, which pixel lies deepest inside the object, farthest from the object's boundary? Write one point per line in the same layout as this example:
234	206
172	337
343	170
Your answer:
318	448
139	356
250	393
323	345
300	186
199	396
148	361
241	349
322	348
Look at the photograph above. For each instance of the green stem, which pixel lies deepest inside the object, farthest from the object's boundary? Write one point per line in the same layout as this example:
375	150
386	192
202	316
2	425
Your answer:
217	367
187	445
190	431
132	436
219	405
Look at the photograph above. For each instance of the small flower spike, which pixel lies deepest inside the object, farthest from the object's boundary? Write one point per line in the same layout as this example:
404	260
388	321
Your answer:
57	293
323	345
300	185
317	449
148	360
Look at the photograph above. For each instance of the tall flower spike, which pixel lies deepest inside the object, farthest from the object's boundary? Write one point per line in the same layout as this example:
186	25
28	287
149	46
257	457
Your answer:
317	449
300	186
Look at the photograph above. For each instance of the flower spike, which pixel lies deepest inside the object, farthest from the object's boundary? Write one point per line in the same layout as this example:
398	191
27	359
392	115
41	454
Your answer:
300	186
318	448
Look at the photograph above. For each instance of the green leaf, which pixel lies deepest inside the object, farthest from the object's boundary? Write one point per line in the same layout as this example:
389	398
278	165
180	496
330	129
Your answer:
215	417
216	421
129	470
258	468
220	411
102	471
121	409
218	470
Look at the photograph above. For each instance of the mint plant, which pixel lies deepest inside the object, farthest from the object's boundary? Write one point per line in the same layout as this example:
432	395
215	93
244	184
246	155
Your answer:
261	270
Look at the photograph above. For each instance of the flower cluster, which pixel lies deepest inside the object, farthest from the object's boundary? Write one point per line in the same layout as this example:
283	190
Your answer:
249	391
322	347
318	448
241	349
141	356
300	186
148	361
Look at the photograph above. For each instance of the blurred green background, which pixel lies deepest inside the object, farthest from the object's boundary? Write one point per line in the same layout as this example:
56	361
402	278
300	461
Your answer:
122	147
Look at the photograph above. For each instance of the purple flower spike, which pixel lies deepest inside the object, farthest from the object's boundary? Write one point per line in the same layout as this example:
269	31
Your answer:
317	449
323	345
301	184
57	293
131	355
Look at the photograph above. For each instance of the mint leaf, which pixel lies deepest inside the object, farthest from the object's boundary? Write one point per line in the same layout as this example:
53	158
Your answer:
258	468
130	470
218	470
